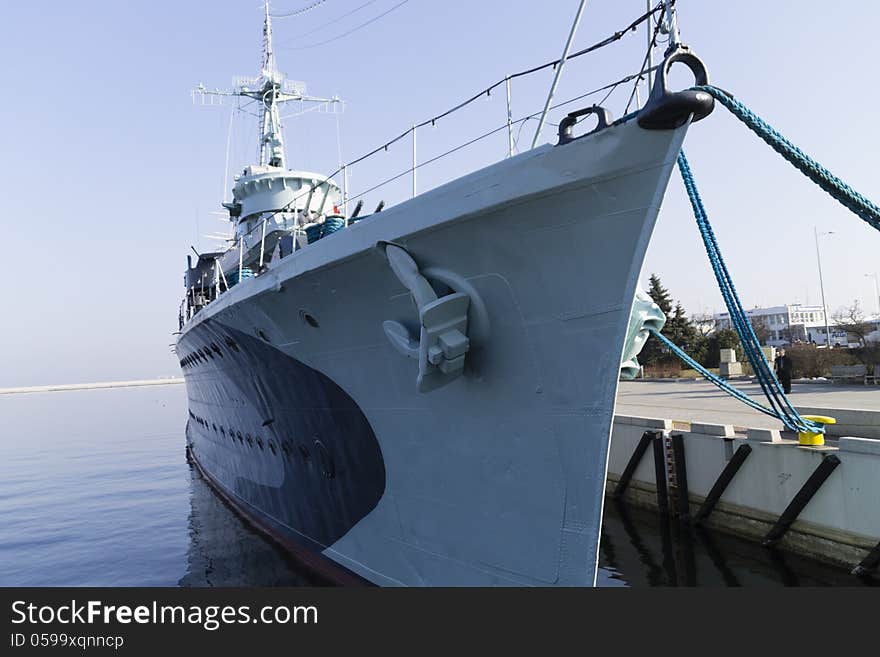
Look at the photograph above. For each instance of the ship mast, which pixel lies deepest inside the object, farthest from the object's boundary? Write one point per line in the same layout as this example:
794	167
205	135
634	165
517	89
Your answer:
271	139
271	89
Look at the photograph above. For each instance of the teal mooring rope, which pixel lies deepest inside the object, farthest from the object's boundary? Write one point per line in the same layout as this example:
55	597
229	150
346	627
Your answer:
780	406
709	376
834	186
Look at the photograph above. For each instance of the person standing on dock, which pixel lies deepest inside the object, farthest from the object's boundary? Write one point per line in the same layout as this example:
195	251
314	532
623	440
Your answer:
783	370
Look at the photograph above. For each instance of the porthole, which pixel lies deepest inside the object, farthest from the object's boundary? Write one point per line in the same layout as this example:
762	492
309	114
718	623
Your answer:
249	440
259	443
308	318
272	447
304	452
263	335
216	349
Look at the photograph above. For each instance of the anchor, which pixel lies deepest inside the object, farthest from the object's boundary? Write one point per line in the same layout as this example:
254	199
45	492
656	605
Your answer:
443	335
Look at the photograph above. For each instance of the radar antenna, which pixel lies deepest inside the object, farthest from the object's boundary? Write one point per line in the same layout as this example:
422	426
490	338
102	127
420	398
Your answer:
271	89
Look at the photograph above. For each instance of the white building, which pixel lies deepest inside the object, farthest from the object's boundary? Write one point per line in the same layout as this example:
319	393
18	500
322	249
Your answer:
840	338
786	325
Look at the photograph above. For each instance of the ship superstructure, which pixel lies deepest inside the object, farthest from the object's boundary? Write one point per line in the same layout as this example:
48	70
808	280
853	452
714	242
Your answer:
269	202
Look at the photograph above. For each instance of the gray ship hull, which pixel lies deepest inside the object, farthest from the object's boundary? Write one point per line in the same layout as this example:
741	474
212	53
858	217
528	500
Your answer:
310	422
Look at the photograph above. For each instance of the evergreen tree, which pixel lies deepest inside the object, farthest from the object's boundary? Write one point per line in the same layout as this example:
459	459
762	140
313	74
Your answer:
682	332
654	352
660	294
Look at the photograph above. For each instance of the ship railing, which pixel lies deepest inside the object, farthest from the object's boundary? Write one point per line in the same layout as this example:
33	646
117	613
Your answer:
654	18
509	125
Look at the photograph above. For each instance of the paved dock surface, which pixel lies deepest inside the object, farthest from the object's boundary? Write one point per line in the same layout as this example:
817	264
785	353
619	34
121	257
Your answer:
700	401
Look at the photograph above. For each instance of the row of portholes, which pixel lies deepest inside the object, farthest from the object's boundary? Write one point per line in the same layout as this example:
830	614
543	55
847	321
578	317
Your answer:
288	449
206	353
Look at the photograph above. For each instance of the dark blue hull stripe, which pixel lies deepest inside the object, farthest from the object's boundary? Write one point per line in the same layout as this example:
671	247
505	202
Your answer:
278	437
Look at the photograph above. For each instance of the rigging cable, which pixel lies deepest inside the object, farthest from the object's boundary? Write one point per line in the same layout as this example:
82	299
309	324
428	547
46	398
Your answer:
351	31
328	23
648	54
488	91
301	10
612	86
616	36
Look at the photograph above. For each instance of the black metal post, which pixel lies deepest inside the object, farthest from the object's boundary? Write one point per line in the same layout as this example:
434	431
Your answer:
724	479
682	506
660	474
633	463
802	498
869	563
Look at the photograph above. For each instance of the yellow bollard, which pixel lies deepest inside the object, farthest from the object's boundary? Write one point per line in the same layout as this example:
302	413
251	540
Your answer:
812	438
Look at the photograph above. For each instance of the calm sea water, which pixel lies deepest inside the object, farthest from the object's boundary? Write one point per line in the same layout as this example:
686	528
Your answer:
95	490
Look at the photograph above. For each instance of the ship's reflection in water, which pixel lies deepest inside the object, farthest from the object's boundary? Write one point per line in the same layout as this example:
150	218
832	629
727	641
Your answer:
640	548
637	549
224	551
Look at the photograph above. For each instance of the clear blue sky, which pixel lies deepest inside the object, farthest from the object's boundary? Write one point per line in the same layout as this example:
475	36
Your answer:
110	173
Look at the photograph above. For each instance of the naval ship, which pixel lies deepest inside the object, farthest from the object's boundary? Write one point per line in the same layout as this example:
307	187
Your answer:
424	395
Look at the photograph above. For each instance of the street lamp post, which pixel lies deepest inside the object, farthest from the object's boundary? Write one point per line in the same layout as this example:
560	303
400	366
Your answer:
876	289
822	285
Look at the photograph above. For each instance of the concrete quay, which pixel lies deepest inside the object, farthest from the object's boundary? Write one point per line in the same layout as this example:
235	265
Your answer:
821	502
856	408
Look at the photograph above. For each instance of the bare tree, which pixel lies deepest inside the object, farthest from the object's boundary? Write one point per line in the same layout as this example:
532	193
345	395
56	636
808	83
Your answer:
852	320
762	331
704	323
